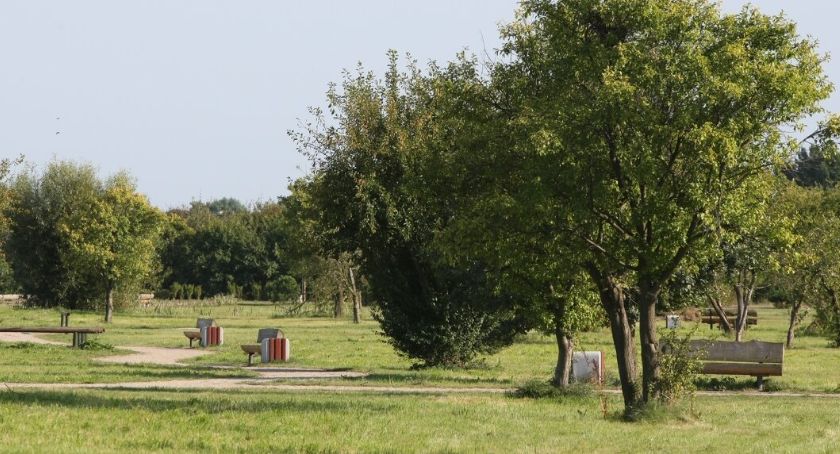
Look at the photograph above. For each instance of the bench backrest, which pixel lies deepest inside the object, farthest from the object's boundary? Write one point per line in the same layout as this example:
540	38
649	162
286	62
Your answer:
730	312
743	352
268	333
204	322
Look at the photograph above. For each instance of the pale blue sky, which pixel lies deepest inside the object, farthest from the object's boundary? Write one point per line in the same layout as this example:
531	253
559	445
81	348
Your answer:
194	97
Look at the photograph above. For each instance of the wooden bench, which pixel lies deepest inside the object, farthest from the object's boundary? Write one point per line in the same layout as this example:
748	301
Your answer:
79	333
256	349
755	358
711	317
195	333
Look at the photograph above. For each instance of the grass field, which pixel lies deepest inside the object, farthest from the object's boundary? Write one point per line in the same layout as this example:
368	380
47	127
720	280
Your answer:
260	421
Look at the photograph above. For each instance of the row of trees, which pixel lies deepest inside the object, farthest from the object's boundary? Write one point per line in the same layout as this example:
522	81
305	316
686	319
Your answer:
617	150
74	240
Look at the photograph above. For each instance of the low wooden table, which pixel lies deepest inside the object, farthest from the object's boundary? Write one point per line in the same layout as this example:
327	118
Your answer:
79	333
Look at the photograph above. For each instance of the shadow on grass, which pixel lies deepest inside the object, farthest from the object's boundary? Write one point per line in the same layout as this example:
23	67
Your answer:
215	403
155	372
734	384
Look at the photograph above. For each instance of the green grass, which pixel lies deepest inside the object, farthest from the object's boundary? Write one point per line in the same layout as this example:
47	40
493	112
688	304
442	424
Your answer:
263	420
107	421
322	342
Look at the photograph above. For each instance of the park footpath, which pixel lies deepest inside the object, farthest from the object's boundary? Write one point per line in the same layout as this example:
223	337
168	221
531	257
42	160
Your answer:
268	377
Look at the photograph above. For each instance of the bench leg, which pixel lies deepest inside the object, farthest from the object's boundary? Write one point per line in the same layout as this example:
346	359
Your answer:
79	340
759	383
191	341
250	359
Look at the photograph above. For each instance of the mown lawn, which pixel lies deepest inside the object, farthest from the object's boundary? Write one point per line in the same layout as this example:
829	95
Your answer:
263	420
328	343
141	421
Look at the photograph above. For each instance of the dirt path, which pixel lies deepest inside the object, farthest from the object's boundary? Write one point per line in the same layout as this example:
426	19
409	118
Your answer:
174	356
155	355
268	377
252	384
269	384
27	337
141	355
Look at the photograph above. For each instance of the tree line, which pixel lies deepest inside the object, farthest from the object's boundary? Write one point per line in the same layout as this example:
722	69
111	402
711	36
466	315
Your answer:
75	240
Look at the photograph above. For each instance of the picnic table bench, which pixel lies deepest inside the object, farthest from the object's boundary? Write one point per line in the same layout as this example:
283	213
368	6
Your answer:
256	349
712	318
754	358
79	333
195	333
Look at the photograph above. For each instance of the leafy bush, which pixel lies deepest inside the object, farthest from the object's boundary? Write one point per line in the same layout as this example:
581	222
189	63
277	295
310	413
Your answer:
176	290
827	322
538	389
93	344
678	368
282	289
455	318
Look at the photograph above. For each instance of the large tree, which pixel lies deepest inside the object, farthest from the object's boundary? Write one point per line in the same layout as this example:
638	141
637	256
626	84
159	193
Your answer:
112	237
660	116
74	239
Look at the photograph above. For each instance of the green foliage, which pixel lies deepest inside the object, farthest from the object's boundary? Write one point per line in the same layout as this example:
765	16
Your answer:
36	247
654	123
217	247
464	319
94	344
74	237
283	288
384	186
176	290
678	368
537	389
226	206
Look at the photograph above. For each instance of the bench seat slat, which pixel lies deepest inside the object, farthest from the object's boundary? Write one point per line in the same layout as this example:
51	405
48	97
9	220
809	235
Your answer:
60	330
746	352
754	369
715	319
731	312
251	348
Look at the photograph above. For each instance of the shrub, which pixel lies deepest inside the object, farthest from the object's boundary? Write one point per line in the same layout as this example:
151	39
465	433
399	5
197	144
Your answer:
454	319
827	321
176	290
678	368
281	289
255	291
539	389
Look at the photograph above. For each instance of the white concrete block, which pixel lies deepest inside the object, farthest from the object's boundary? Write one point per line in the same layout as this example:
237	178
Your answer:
588	367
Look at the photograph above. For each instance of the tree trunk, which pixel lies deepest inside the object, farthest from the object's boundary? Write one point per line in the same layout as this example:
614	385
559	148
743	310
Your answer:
303	290
565	348
794	312
357	298
565	344
613	300
648	296
744	289
725	325
109	304
339	304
